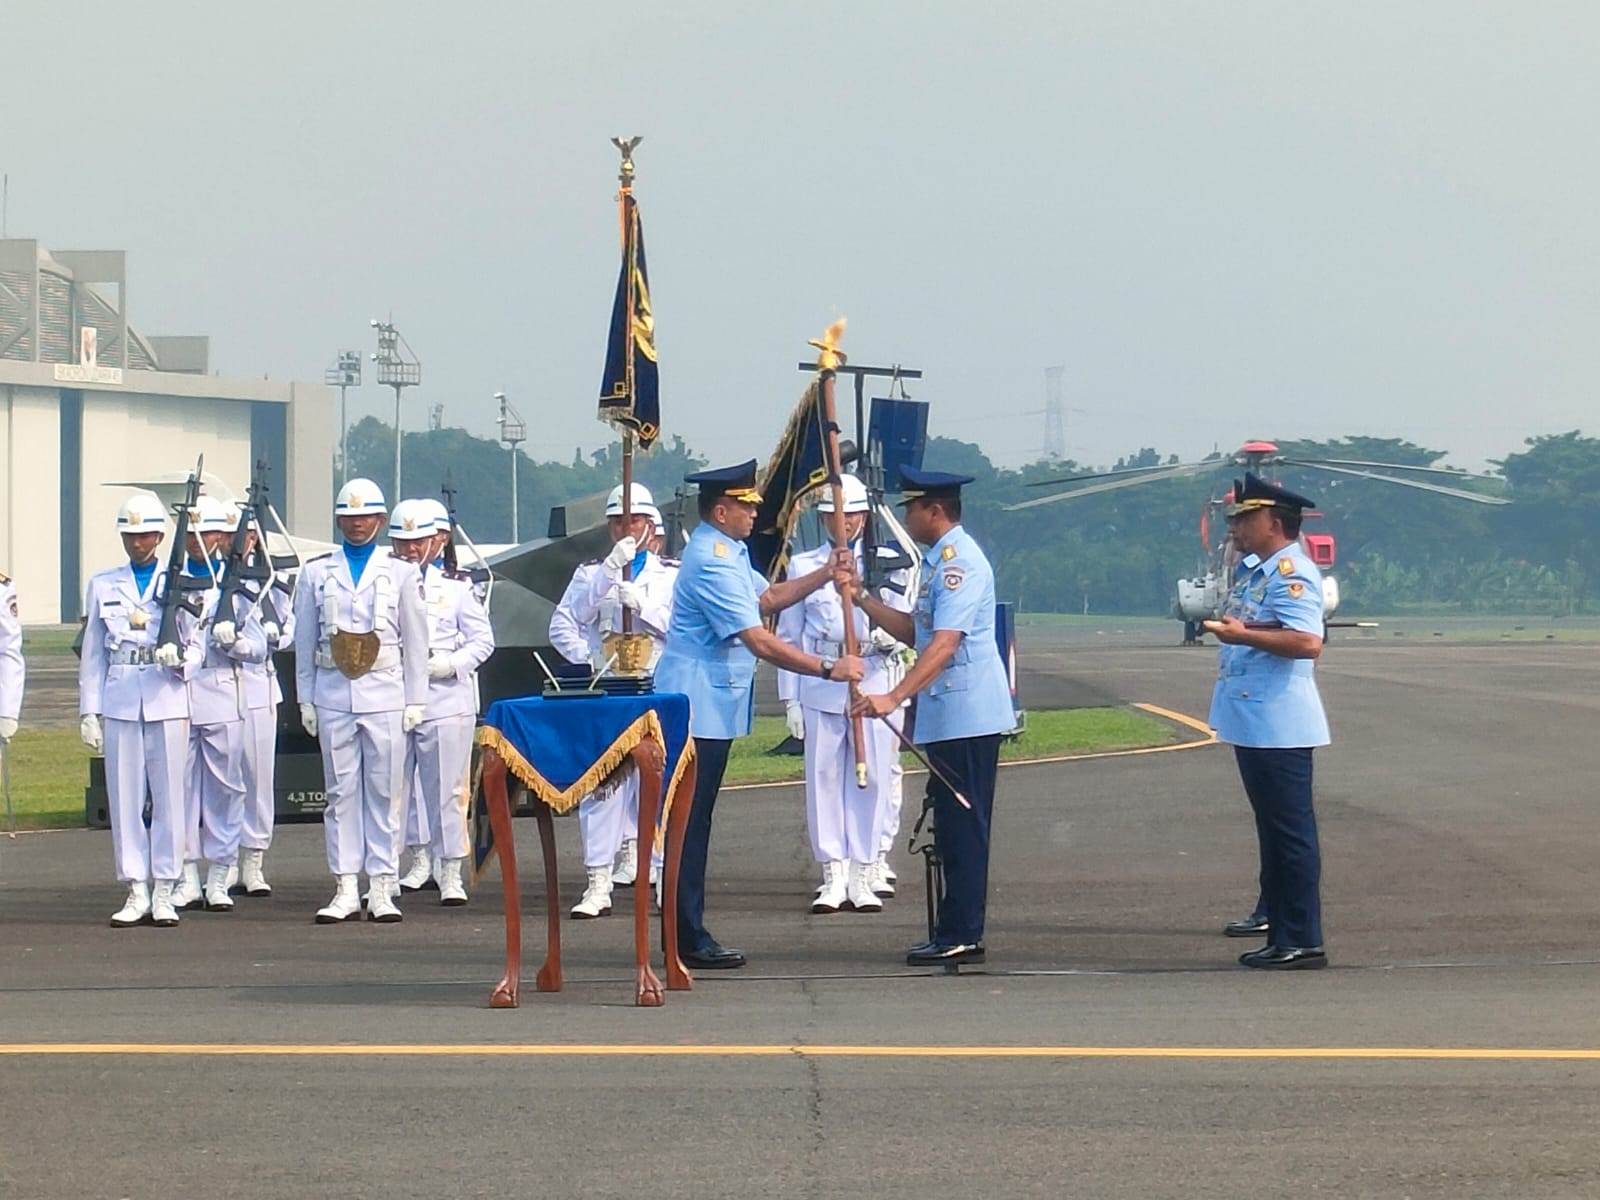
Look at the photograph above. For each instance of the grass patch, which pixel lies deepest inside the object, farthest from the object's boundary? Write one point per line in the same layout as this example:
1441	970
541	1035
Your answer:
48	639
49	770
1064	731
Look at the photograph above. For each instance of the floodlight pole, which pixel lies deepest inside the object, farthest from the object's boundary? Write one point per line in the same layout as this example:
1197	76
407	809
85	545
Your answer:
397	368
513	432
345	373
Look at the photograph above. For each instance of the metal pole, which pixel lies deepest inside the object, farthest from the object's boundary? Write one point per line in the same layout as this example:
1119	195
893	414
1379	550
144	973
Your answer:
397	442
515	539
344	439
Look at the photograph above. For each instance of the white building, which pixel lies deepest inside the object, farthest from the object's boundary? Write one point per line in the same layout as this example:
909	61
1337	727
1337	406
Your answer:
85	399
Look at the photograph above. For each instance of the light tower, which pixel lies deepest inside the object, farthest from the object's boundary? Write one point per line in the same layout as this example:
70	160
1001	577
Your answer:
345	373
513	432
1055	432
397	368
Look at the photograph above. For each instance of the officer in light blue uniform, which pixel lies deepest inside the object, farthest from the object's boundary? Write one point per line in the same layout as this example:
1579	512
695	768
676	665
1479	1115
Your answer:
963	702
1265	704
713	640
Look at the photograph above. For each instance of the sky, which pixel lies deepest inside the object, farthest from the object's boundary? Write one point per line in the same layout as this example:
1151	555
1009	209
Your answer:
1225	221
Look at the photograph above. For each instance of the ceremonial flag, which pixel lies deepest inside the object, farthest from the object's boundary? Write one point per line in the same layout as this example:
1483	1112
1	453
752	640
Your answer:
629	392
798	467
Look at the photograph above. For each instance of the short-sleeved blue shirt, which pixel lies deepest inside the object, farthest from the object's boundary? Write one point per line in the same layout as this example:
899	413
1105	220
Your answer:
971	697
718	595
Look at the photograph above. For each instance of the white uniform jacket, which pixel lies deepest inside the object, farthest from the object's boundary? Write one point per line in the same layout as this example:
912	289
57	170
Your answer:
816	625
589	609
217	683
261	688
12	669
116	677
459	627
387	601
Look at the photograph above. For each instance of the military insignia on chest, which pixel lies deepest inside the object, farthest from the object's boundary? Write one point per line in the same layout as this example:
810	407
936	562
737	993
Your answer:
138	619
1285	566
720	549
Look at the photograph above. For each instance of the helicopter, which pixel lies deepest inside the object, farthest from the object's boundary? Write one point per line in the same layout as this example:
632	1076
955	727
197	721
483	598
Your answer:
1201	597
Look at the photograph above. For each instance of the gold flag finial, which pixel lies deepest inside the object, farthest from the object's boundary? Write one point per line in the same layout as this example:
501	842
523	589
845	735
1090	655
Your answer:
829	355
626	145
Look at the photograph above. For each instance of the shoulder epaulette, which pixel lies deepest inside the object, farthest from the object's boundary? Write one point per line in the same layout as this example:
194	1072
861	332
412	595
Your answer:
4	579
318	558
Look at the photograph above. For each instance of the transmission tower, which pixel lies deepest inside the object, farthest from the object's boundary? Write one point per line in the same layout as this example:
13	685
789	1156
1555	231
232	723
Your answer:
1055	432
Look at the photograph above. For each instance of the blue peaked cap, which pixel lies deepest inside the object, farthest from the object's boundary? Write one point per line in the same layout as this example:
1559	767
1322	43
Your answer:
737	481
916	483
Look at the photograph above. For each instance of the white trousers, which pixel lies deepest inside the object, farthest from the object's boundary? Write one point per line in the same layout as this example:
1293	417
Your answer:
142	755
438	785
216	789
260	776
894	794
363	770
609	815
846	821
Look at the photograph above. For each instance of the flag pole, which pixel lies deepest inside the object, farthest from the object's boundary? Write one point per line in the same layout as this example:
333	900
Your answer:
629	250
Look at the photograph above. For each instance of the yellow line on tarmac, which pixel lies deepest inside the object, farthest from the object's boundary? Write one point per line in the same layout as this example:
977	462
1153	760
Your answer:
612	1050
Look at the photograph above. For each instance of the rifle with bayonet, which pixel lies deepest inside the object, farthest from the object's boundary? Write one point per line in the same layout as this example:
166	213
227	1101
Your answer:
481	577
178	589
242	567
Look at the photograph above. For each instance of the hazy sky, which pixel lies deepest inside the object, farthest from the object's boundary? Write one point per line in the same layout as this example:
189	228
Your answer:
1227	220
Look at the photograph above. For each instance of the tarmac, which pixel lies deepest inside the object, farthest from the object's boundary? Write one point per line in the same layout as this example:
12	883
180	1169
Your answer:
1111	1046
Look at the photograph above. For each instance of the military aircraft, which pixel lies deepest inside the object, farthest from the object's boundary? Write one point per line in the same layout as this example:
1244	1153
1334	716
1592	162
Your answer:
1201	597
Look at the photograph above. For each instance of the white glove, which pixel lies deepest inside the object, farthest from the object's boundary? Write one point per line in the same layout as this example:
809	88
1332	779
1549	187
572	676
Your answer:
168	655
622	554
410	718
795	719
630	595
883	640
89	730
224	633
440	666
8	728
273	632
308	718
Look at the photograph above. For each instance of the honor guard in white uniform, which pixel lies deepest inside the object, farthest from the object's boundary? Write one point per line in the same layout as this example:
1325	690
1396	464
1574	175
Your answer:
12	670
361	671
214	809
846	821
584	623
135	708
439	751
262	695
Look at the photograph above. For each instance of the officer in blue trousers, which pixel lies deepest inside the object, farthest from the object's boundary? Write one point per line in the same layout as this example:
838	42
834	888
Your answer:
1266	706
963	702
714	637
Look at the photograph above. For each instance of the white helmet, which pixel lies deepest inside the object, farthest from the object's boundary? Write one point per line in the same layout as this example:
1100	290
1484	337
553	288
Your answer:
855	497
643	501
209	515
233	515
360	498
429	509
410	520
141	513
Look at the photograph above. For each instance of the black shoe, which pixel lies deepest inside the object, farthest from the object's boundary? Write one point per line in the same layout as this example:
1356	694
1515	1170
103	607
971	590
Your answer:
1254	925
1286	958
932	954
714	957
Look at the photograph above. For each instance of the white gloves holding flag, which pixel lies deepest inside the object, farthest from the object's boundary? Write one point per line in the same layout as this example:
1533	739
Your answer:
410	718
795	719
621	555
89	730
630	595
308	718
224	633
440	666
884	641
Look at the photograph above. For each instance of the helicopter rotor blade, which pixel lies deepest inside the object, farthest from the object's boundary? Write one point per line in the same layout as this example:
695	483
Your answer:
1436	488
1356	462
1126	471
1177	472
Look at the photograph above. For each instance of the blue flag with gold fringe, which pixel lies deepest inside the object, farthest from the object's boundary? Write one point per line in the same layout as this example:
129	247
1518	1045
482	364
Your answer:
630	390
798	467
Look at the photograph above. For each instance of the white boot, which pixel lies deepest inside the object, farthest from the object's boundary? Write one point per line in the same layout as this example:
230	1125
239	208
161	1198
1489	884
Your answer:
626	869
251	875
596	900
380	899
135	909
859	890
655	888
883	877
832	895
344	905
421	872
452	890
232	878
163	911
393	889
217	898
187	891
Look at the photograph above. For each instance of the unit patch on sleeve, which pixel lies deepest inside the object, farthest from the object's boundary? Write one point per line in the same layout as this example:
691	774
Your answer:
1297	589
954	577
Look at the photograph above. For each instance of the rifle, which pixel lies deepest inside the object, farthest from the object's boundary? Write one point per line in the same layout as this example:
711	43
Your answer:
479	576
239	566
175	583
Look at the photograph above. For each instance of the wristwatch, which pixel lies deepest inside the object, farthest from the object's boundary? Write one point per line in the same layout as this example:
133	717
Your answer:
827	667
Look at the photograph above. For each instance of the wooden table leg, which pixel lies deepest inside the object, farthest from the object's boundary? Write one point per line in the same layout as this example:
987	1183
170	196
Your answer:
549	977
499	807
678	977
650	759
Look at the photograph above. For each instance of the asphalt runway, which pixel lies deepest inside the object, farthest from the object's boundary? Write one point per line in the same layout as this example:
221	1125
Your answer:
1111	1047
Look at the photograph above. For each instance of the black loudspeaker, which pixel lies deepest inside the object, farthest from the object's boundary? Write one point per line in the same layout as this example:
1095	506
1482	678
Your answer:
897	430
